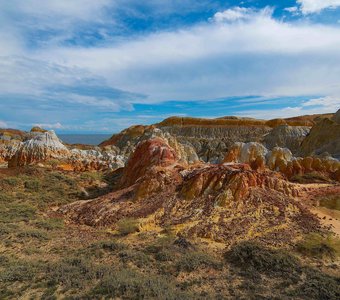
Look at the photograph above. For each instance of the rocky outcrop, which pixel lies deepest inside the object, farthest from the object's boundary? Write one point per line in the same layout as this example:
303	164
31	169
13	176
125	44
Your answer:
42	147
126	142
148	154
253	154
282	160
324	137
224	203
45	147
285	136
8	149
94	159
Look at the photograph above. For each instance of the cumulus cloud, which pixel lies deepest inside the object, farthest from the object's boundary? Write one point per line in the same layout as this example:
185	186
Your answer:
240	13
233	14
315	6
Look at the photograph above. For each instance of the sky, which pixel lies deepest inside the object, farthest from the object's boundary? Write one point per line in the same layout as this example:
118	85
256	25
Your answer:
84	66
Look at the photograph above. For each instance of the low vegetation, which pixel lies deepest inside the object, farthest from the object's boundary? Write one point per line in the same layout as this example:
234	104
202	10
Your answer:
42	257
318	246
127	226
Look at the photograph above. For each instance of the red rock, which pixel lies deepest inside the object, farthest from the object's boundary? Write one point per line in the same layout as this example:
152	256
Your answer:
148	154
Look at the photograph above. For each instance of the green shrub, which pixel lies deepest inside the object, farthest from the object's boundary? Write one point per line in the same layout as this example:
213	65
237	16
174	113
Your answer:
193	261
138	258
4	231
16	212
50	223
315	245
71	273
318	286
18	272
32	185
98	249
111	246
12	181
330	201
127	284
127	226
251	256
33	234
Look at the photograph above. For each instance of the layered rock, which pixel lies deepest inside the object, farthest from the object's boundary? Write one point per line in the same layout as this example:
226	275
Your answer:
95	159
282	160
253	154
42	147
324	137
148	154
45	147
205	142
224	202
126	142
285	136
209	139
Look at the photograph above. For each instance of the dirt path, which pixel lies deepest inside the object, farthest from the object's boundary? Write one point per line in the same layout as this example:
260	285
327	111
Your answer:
328	217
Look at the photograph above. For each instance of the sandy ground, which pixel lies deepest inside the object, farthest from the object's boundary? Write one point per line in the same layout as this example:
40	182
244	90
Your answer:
328	217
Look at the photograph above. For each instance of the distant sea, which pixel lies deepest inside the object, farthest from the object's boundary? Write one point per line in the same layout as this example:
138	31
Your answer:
88	139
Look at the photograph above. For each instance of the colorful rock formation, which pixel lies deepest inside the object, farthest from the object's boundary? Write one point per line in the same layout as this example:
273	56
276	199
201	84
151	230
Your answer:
45	147
225	202
148	154
282	160
40	148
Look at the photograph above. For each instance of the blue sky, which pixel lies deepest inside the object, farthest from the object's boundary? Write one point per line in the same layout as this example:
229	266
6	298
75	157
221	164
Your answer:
100	66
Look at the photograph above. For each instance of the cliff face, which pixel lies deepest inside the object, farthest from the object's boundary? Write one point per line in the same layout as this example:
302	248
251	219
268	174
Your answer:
211	143
286	136
205	142
323	137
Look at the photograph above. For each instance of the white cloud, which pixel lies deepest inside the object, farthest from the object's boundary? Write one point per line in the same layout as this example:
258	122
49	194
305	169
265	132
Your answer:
243	52
3	124
331	103
54	13
233	14
241	13
259	55
321	105
292	9
49	126
315	6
